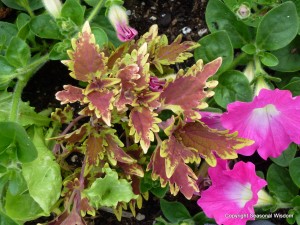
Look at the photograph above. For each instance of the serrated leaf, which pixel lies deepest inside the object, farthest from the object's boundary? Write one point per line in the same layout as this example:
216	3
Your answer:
186	92
86	60
183	179
114	152
143	123
94	151
174	53
71	94
64	115
110	190
208	142
101	103
128	75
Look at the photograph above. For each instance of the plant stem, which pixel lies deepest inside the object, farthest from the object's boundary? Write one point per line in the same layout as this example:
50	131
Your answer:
237	60
95	11
27	73
26	5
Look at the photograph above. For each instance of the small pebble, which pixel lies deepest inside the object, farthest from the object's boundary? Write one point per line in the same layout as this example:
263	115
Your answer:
152	18
164	19
202	31
128	12
186	30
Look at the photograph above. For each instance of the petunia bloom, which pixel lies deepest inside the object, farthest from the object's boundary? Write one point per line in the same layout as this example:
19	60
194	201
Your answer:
119	19
53	7
231	198
272	120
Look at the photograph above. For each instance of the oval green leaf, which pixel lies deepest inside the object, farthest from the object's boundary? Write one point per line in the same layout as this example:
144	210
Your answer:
13	134
286	157
293	86
33	4
294	170
44	26
18	52
278	27
43	175
280	183
74	10
213	46
174	211
289	57
100	36
268	59
219	17
7	32
233	85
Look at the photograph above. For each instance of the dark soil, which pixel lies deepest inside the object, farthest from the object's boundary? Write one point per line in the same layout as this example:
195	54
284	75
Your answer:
173	17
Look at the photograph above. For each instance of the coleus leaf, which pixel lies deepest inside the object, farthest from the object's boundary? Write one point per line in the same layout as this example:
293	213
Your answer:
106	145
101	103
176	52
134	75
143	123
209	142
128	75
70	94
110	190
76	136
94	151
114	152
63	115
86	61
183	178
187	92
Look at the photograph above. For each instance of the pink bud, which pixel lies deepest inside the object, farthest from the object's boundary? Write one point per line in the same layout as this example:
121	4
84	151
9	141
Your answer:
118	18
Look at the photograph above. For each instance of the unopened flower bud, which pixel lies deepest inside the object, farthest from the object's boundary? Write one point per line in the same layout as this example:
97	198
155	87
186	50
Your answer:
260	84
53	7
243	11
118	18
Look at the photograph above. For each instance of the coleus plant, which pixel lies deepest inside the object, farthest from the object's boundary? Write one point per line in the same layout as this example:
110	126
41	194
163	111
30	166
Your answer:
135	115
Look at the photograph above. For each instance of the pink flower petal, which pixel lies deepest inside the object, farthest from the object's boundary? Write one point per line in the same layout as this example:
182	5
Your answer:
231	198
272	120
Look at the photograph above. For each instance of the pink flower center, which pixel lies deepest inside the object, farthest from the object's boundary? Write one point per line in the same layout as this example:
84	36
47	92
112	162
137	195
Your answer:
239	193
264	115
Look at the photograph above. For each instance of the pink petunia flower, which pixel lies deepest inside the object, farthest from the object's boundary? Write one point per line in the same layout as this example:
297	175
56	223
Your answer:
272	120
119	19
231	198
